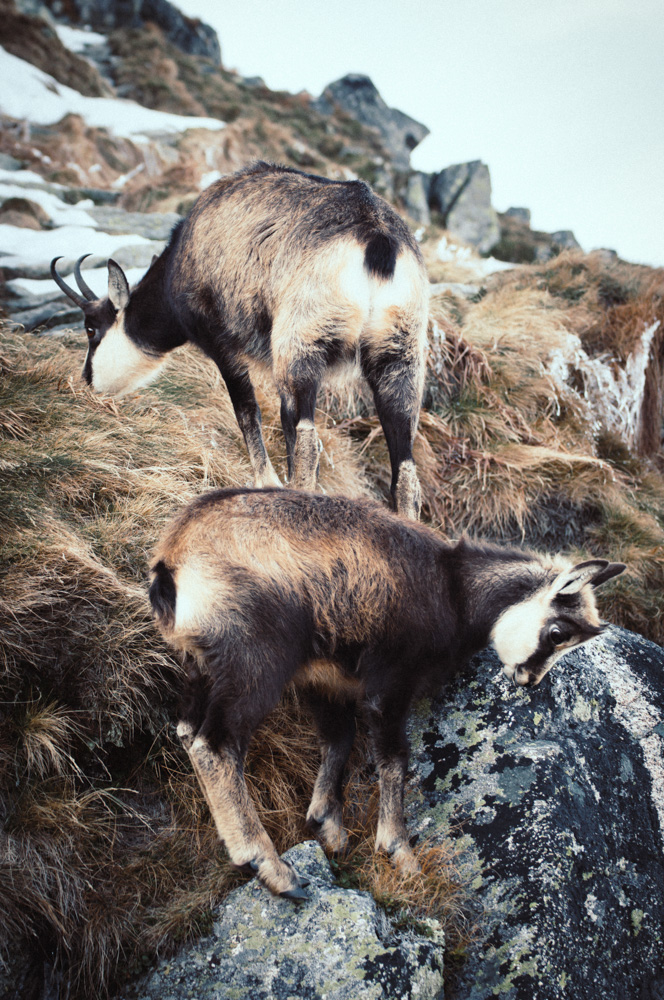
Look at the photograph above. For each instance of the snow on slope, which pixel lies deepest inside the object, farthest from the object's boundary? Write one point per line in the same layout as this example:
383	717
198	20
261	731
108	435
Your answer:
28	93
33	246
78	39
96	278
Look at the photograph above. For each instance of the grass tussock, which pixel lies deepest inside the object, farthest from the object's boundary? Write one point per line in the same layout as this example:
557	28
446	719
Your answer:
107	850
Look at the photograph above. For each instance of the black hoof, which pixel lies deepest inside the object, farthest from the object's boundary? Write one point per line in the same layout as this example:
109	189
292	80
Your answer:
303	880
297	894
249	867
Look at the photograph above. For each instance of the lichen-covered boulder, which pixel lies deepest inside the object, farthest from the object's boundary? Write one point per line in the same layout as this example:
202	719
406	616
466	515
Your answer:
555	796
338	945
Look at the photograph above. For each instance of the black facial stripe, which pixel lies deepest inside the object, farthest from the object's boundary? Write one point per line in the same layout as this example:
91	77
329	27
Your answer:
536	660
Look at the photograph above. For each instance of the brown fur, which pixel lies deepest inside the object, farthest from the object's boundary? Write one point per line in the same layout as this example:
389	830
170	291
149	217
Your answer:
294	274
357	607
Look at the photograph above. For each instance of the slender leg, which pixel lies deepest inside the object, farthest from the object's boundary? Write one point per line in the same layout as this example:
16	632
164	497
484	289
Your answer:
298	407
335	721
395	378
217	746
248	416
387	726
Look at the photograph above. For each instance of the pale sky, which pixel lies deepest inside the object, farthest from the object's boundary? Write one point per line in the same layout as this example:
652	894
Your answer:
563	99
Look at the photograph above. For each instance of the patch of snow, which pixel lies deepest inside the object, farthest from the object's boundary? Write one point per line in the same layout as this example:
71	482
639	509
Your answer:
77	39
120	181
26	177
96	278
447	252
450	252
209	178
30	94
58	211
19	247
489	265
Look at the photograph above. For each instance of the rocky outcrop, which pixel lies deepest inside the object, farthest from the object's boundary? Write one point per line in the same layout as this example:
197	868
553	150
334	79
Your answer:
556	797
462	195
337	945
520	244
416	197
188	34
357	95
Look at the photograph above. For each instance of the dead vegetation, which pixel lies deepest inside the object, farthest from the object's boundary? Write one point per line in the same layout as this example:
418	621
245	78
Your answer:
107	851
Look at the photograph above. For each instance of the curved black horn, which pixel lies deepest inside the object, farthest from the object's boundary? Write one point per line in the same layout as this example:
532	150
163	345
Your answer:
74	296
85	288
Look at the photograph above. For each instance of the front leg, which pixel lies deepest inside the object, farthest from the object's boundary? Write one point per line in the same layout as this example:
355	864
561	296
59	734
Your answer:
387	727
248	416
335	722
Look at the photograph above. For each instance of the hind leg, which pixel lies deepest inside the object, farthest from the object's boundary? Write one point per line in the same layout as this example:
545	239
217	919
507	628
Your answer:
217	743
392	362
335	721
387	728
298	407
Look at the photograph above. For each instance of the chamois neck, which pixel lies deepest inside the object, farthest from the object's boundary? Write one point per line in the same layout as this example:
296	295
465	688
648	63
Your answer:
489	580
149	318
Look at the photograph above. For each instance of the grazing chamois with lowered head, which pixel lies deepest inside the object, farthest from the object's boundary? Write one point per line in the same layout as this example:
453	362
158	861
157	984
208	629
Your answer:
296	274
360	609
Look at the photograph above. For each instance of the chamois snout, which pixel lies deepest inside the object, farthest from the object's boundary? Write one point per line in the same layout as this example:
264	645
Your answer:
532	635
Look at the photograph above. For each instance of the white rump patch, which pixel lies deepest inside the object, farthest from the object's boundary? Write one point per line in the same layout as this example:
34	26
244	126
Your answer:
120	366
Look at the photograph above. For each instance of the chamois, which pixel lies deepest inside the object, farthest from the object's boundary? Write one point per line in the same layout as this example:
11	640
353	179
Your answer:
360	609
287	271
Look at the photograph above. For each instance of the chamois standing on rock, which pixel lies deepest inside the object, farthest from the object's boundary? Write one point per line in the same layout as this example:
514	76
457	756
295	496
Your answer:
358	607
295	273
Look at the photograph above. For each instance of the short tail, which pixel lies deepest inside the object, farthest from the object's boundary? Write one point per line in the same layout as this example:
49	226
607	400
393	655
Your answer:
162	594
380	255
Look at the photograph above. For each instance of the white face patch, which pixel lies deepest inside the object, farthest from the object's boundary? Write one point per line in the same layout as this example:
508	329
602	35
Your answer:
516	634
119	365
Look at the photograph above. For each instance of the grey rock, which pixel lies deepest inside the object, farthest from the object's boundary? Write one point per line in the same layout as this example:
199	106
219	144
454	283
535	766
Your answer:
99	196
253	81
462	194
416	197
151	225
47	315
522	214
188	34
357	95
338	945
8	162
565	239
555	796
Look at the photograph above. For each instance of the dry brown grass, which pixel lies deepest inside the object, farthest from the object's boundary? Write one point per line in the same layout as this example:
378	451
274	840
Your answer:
107	852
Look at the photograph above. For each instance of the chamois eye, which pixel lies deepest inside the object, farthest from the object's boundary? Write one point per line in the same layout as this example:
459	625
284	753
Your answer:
556	635
90	330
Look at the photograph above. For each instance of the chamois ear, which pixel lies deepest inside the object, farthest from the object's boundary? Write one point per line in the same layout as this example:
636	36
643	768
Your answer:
118	286
571	581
